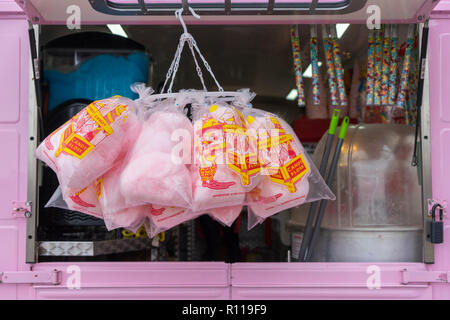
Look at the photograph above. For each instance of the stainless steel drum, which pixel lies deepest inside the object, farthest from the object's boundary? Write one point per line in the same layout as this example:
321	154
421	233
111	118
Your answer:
377	213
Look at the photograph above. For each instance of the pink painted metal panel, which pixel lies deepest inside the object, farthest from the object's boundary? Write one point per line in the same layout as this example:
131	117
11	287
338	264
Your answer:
138	280
9	239
14	77
10	83
45	12
442	10
8	7
439	66
325	281
9	168
442	6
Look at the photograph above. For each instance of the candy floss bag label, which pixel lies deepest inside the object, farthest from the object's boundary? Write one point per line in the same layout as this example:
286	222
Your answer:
90	143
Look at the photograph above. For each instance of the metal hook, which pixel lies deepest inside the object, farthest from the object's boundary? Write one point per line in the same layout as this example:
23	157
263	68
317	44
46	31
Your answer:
179	15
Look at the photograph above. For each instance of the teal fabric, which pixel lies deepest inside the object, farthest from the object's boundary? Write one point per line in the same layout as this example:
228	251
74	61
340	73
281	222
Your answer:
100	77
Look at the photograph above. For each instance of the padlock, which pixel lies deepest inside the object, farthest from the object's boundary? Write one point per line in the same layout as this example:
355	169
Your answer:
436	227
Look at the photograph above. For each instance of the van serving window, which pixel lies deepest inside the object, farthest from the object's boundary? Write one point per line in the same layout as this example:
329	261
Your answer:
233	7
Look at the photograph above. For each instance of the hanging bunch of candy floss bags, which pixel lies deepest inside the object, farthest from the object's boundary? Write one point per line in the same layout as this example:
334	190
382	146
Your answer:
149	164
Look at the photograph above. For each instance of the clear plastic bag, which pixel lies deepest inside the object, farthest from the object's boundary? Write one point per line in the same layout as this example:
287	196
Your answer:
102	200
221	175
116	212
85	202
226	215
128	218
165	218
288	177
153	172
91	142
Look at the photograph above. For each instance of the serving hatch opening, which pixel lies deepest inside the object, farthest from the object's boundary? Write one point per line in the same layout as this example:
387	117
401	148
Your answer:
65	236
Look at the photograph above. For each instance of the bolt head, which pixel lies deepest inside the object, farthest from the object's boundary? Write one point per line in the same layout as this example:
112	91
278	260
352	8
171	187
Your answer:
27	214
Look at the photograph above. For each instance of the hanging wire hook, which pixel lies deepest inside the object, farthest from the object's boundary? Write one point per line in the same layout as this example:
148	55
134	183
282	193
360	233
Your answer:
179	15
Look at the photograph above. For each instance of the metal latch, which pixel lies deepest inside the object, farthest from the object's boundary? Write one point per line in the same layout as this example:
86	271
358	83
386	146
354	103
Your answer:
41	277
432	202
423	276
21	209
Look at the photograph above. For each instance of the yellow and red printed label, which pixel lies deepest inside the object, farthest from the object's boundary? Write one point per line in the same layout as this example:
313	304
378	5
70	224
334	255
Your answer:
99	187
73	144
271	142
77	145
81	191
291	173
233	128
207	174
245	165
296	167
64	136
98	118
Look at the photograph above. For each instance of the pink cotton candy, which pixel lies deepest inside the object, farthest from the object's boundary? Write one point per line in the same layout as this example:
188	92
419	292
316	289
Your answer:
116	213
157	132
108	189
91	142
226	215
154	178
151	173
165	218
129	218
84	200
270	198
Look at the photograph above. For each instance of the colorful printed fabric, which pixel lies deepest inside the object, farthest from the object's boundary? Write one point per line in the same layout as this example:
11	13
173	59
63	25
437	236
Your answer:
297	65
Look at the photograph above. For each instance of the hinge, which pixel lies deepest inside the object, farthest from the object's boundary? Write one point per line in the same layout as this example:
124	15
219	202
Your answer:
423	276
21	209
32	277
